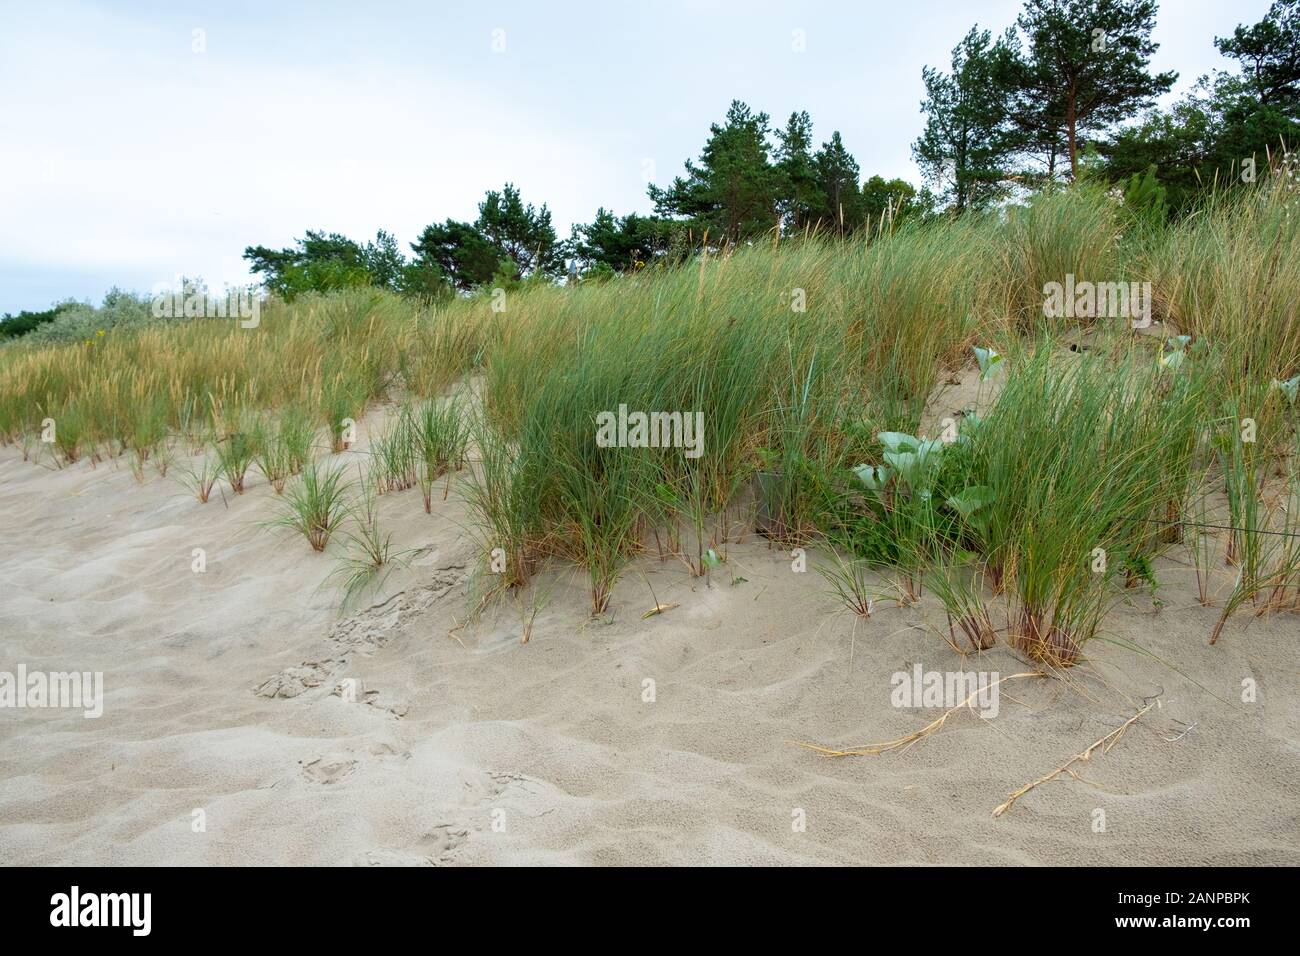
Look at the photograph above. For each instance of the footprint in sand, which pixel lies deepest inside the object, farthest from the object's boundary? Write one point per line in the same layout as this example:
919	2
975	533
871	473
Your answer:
371	629
327	770
439	846
390	858
373	698
293	681
436	848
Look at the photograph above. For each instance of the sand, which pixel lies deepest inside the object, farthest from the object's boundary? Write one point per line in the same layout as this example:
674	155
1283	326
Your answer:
226	692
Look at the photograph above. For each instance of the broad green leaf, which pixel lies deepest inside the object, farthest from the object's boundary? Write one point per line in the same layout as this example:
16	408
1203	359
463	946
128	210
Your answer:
898	441
989	360
1172	359
875	477
1290	388
971	500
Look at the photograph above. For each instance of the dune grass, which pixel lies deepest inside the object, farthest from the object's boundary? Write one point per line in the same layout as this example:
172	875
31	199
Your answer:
368	553
236	447
201	479
316	505
1080	456
283	444
808	364
440	433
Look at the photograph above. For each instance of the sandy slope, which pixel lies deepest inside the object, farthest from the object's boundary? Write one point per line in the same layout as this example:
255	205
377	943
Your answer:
472	748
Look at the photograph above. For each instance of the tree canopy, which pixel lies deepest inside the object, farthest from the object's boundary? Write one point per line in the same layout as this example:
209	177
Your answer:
1065	91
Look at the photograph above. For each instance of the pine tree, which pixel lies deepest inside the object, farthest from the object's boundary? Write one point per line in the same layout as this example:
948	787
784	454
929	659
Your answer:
1085	69
733	189
801	194
964	150
842	206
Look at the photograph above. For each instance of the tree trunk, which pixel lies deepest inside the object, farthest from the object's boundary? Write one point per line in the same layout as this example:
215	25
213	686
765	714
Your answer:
1071	120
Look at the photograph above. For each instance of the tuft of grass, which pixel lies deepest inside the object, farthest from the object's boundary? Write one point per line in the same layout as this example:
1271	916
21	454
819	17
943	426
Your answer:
958	580
297	436
272	457
1073	453
441	435
851	582
283	445
503	509
606	515
315	506
148	436
1265	536
202	478
393	453
236	451
368	556
71	433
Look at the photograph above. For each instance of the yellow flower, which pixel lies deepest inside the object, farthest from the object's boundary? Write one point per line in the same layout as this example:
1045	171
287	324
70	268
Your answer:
100	332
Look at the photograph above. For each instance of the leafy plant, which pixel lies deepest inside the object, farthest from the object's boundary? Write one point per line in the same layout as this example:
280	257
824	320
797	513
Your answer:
1146	199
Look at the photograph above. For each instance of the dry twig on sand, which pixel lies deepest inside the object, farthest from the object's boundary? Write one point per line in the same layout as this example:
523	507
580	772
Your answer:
1105	743
873	749
659	609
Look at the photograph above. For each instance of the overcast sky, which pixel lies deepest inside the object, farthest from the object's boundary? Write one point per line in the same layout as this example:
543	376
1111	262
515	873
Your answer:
134	149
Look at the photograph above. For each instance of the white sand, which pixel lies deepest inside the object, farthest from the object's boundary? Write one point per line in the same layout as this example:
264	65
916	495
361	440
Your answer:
475	748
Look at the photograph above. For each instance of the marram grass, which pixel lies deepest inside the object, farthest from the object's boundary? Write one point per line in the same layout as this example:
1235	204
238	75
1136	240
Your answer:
798	355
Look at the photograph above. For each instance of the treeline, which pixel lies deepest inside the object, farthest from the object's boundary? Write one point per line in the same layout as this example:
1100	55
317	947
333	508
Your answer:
72	321
1065	92
747	181
1068	91
21	323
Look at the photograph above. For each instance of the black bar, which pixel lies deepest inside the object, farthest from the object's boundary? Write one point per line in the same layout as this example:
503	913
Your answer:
329	907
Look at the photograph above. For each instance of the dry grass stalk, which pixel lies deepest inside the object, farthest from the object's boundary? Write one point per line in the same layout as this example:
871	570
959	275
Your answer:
871	750
1105	743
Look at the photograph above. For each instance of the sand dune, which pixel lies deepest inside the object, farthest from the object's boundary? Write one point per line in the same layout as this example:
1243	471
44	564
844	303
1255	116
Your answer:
221	695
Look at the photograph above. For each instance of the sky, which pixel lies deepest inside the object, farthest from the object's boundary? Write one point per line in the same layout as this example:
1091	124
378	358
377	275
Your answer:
140	141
